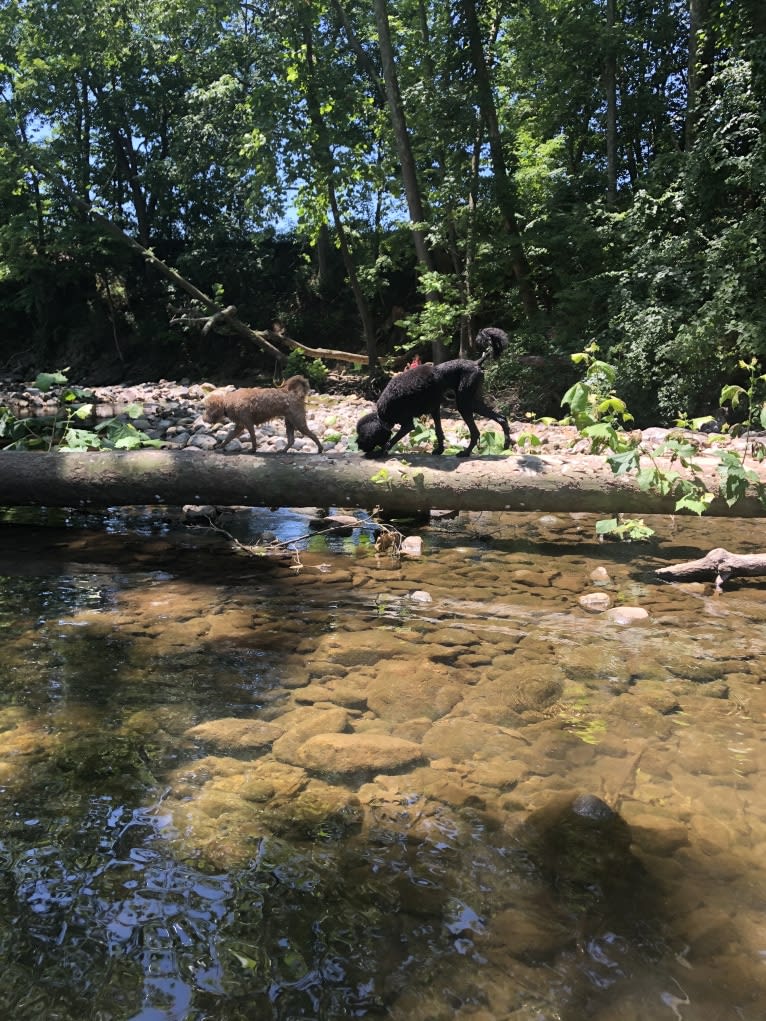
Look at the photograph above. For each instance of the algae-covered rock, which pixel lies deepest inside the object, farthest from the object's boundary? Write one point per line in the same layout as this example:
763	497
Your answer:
358	753
233	732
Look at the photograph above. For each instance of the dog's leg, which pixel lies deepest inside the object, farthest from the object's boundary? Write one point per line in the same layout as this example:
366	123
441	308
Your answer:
465	402
474	434
307	432
481	407
235	430
406	427
470	403
293	422
251	430
437	417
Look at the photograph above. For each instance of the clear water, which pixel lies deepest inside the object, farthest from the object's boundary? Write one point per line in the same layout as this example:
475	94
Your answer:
329	784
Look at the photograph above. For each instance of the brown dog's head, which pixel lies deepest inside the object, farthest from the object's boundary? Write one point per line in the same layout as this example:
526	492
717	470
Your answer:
297	385
214	407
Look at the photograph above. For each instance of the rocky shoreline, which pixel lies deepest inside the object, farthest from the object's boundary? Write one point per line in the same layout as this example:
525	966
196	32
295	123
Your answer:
172	413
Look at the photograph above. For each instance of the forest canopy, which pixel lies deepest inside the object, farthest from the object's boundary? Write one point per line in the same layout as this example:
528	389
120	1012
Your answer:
388	175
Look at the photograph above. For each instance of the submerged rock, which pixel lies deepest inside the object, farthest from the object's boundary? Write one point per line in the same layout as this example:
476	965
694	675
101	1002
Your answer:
233	732
368	753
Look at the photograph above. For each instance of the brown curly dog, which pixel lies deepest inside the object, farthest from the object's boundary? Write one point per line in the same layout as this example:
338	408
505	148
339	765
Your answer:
256	405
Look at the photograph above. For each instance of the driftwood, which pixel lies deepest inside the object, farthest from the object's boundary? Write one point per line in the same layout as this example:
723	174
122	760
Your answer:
418	483
718	564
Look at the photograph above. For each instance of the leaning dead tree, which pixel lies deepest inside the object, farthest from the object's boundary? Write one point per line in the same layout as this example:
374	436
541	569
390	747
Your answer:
559	484
264	339
225	320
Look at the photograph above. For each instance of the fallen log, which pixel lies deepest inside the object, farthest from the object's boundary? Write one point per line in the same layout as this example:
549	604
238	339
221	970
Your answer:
419	483
718	564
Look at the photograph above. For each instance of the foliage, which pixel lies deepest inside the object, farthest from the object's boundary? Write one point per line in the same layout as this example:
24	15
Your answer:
252	148
76	429
299	364
596	412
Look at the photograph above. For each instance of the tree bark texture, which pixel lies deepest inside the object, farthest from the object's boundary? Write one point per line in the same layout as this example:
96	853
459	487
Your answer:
561	484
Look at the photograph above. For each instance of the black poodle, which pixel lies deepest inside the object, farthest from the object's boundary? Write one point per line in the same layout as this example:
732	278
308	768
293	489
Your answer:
420	390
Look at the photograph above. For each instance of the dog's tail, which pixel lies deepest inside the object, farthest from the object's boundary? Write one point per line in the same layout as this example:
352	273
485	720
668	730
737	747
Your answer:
491	342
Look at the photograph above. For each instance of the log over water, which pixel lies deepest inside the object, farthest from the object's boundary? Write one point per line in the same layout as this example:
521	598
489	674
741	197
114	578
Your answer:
583	483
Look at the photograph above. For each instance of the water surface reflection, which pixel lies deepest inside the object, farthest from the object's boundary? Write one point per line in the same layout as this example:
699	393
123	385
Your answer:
333	785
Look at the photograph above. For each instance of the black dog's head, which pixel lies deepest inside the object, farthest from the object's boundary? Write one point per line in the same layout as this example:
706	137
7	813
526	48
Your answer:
371	433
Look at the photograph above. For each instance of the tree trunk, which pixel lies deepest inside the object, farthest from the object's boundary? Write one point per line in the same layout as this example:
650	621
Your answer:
695	73
323	156
502	179
610	87
421	483
404	151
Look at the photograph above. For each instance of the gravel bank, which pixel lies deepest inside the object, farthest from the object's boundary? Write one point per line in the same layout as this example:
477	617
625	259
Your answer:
172	412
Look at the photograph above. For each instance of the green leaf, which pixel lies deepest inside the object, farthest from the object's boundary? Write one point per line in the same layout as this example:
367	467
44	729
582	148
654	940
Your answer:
80	439
732	393
697	504
46	380
606	526
577	398
627	461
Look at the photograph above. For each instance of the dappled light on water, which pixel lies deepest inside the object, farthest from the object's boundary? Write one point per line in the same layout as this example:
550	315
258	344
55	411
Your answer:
330	784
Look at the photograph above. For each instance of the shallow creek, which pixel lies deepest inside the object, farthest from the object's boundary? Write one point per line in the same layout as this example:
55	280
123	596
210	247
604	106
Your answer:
332	785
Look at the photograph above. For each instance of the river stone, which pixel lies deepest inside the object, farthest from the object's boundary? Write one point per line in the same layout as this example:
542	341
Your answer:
358	753
593	661
600	576
532	579
460	740
358	648
341	524
401	691
693	664
627	615
656	834
318	807
233	732
595	602
529	934
346	696
302	724
453	636
528	687
412	546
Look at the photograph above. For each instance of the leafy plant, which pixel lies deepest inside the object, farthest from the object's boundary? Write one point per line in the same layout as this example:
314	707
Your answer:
632	529
595	410
491	442
422	433
314	369
67	433
597	414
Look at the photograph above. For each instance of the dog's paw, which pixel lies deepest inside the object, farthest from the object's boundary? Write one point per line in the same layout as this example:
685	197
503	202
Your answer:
464	453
